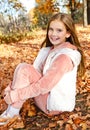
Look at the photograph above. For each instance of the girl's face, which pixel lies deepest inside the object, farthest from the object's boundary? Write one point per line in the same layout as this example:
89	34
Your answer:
57	32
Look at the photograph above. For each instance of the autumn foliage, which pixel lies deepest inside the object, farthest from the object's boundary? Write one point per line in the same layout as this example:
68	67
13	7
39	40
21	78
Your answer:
32	118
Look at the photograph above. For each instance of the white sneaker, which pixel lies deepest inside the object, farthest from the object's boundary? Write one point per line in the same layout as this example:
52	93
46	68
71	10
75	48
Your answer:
4	118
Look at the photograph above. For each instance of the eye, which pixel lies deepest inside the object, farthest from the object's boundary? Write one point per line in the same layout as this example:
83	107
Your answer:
50	29
59	30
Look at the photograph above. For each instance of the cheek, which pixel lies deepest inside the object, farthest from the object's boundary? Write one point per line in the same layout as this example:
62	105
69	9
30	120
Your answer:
49	33
63	34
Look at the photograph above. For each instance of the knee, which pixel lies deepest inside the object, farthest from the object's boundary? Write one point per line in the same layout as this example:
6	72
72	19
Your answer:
22	67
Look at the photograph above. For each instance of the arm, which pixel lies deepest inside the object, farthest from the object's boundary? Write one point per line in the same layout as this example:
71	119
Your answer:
59	67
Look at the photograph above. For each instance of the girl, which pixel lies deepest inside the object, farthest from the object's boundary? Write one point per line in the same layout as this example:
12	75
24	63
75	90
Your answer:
51	81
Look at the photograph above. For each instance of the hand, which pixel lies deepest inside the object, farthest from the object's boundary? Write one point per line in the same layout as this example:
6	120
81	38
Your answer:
6	90
4	93
7	98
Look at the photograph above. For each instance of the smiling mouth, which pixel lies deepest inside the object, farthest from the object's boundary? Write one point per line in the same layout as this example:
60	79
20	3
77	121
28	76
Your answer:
54	38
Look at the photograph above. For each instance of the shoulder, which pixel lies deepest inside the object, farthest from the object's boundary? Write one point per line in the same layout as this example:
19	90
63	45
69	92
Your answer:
73	54
70	51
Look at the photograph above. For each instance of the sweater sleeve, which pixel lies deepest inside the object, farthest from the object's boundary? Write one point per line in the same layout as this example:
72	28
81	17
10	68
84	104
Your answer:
61	65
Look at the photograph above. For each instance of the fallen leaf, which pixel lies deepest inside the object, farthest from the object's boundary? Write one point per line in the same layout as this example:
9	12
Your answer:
53	124
68	127
83	125
77	121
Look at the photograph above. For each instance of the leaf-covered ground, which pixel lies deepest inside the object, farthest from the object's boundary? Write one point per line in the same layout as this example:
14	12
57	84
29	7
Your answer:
31	117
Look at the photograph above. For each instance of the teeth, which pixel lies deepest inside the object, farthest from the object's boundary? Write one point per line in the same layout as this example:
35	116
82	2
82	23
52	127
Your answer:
54	38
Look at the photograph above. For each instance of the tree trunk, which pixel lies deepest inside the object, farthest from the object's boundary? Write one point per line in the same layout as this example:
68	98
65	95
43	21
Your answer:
85	23
88	11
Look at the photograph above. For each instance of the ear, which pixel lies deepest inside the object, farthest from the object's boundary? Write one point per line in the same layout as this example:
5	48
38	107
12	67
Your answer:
68	35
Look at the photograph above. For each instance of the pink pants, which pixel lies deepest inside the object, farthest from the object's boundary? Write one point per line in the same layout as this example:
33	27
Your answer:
24	75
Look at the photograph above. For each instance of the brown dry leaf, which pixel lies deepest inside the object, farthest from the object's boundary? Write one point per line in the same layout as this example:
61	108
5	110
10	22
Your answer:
31	113
53	124
12	120
10	129
6	126
18	124
77	121
88	101
3	105
37	124
83	125
68	127
3	128
28	109
60	123
88	123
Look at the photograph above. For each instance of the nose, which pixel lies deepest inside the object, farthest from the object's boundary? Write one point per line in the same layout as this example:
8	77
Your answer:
54	33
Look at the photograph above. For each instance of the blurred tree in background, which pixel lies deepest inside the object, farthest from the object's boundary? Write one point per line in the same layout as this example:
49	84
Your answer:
76	9
15	22
88	11
43	11
45	8
13	16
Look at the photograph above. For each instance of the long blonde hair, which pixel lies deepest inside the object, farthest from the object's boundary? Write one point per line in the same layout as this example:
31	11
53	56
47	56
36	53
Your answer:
73	39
